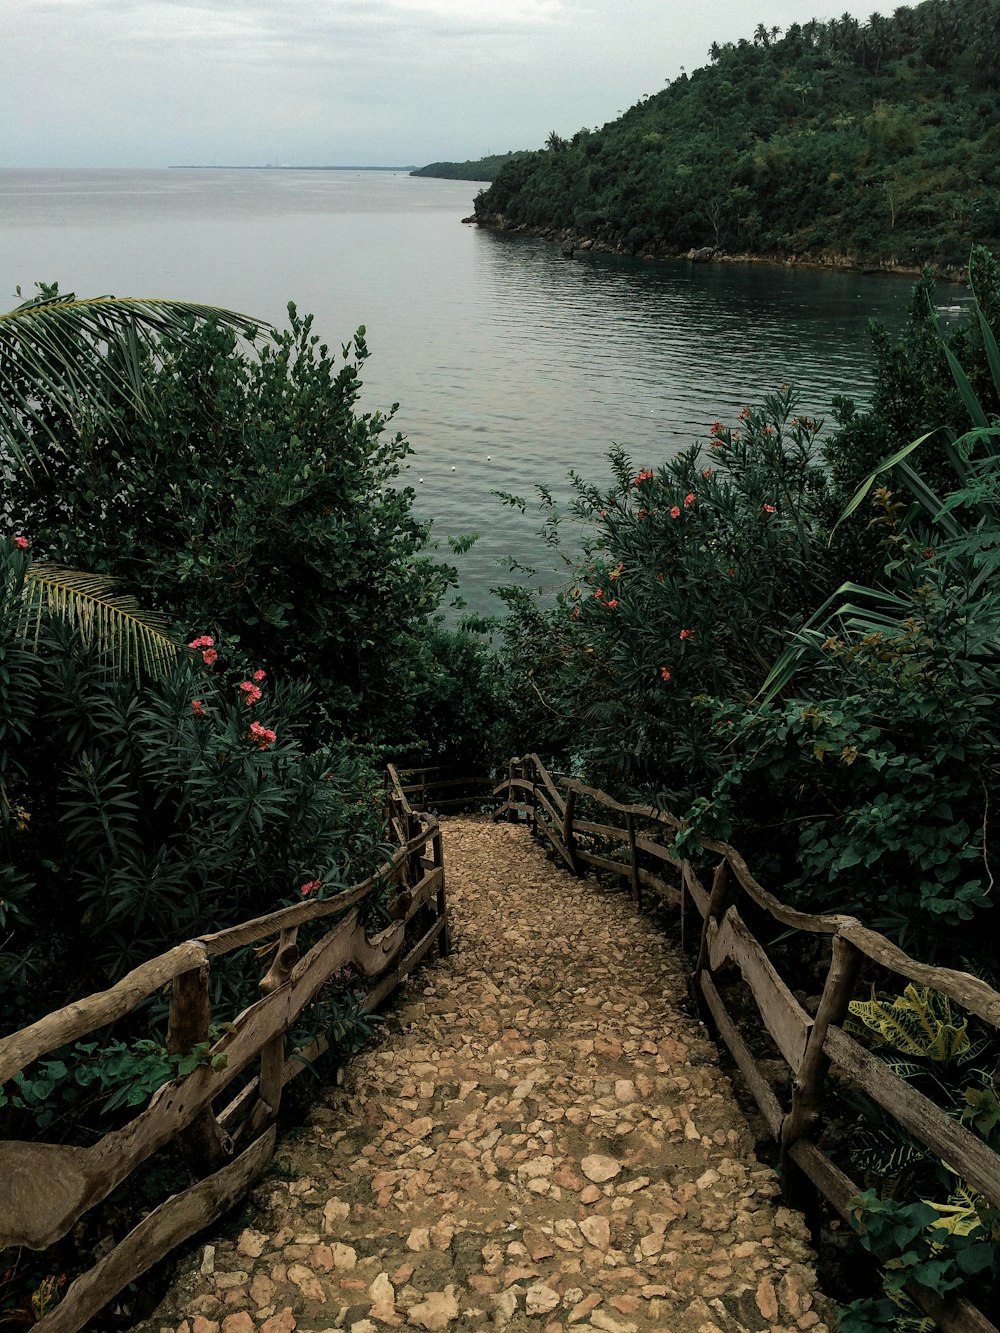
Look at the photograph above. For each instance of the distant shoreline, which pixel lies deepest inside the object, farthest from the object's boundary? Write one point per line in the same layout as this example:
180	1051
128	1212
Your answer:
231	166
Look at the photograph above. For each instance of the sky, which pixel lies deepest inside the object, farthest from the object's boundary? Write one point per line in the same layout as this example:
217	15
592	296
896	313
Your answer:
153	83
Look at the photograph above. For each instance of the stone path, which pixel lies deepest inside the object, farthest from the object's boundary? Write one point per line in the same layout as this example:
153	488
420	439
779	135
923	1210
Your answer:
542	1139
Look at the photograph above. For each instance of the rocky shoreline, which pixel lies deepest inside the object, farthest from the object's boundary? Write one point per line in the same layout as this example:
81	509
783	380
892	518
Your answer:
573	243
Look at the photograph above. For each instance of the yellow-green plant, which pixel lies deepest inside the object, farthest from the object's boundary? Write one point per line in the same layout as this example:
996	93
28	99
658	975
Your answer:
919	1023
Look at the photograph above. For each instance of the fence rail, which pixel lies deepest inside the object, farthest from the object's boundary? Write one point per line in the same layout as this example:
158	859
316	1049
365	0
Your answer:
810	1044
45	1188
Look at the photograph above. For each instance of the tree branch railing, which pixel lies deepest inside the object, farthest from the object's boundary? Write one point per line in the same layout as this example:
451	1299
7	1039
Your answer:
810	1045
46	1188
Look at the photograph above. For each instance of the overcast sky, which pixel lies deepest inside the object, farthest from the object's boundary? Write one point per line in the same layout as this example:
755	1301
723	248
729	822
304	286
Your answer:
155	82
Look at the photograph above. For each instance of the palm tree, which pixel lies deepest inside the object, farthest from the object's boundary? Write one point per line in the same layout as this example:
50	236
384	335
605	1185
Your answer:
85	360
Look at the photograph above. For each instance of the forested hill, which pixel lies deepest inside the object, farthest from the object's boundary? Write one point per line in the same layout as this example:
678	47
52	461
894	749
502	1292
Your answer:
877	142
478	169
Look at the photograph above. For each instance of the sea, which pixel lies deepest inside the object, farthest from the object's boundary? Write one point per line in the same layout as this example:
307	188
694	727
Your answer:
511	365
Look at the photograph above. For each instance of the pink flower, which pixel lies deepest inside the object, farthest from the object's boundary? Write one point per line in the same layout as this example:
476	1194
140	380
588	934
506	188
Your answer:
665	673
198	708
744	413
575	613
21	543
259	675
707	473
250	692
209	656
640	477
613	604
716	428
206	641
675	512
604	513
642	513
264	736
312	887
767	509
599	593
689	500
687	634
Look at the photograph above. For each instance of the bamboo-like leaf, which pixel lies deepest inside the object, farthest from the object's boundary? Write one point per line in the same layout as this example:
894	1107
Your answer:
872	477
965	389
86	358
135	640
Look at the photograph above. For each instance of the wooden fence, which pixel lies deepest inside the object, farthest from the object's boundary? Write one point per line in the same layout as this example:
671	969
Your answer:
809	1044
446	787
45	1188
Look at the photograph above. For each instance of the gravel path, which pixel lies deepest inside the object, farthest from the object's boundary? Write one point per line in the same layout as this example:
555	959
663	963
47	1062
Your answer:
542	1139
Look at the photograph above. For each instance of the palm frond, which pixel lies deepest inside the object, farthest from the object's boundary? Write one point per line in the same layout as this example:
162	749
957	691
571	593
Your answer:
135	640
86	358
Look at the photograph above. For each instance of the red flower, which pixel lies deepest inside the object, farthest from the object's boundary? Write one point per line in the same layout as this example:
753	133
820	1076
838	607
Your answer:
21	543
640	477
665	673
643	513
264	737
312	887
206	641
575	613
689	500
744	413
675	512
707	473
767	509
613	604
259	675
599	593
716	428
250	692
198	708
687	633
209	656
604	513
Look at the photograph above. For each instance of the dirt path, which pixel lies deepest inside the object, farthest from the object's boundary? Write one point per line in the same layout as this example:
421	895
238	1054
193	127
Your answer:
542	1140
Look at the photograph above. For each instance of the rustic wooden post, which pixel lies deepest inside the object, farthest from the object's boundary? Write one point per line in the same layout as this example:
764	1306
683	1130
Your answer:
272	1057
512	814
569	837
534	807
204	1144
721	896
437	854
633	863
807	1090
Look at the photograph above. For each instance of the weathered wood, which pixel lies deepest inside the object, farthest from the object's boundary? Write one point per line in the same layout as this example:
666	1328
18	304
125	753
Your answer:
404	968
785	1019
459	802
957	1315
644	811
437	852
609	831
719	899
272	1057
513	783
444	784
75	1020
603	862
633	862
545	778
204	1145
660	886
653	848
77	1178
549	832
762	1091
696	890
181	1216
569	836
542	803
968	1156
807	1089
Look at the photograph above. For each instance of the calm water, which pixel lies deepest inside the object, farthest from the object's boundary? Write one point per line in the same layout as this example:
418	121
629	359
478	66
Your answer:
511	365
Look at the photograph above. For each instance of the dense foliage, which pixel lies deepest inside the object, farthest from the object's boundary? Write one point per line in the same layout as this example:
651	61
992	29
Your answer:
861	775
476	169
873	141
255	501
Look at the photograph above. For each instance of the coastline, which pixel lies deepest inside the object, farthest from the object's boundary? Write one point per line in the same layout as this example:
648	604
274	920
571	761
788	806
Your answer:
572	242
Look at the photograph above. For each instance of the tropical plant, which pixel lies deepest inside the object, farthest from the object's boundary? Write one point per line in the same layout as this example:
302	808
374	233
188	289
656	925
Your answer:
83	361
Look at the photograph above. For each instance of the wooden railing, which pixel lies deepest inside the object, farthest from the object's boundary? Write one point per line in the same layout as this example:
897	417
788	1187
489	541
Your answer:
809	1044
45	1188
447	786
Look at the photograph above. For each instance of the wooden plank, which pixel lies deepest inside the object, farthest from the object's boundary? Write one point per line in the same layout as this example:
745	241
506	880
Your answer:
956	1315
569	831
763	1093
602	862
609	803
633	862
77	1178
75	1020
785	1019
967	1155
166	1227
203	1144
542	802
547	782
660	886
459	802
654	848
406	966
556	842
608	831
444	783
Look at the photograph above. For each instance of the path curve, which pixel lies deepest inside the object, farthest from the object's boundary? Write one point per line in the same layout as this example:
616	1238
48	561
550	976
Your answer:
541	1140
